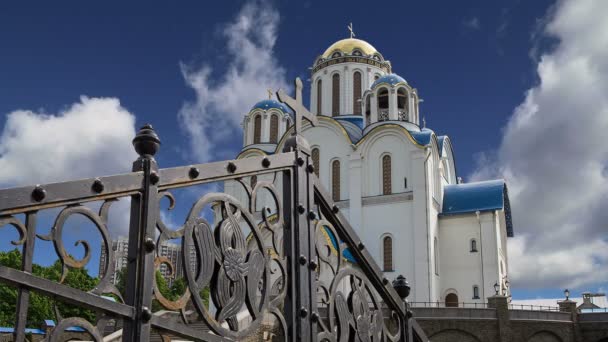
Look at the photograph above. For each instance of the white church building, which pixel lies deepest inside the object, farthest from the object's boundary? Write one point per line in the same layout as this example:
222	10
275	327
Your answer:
395	180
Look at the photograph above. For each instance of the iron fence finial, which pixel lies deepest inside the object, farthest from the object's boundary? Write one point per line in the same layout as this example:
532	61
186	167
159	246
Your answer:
146	142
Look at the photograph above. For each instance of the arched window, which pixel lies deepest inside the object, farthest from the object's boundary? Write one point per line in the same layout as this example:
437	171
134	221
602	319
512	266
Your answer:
357	92
254	181
257	129
335	180
451	300
473	245
386	175
402	104
335	95
274	129
319	96
383	104
376	77
387	254
436	253
315	160
475	292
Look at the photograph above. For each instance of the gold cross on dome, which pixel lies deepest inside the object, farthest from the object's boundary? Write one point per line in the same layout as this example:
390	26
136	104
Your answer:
269	90
297	107
350	28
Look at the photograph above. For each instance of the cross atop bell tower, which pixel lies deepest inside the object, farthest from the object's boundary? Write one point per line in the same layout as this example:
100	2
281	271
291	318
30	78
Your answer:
350	28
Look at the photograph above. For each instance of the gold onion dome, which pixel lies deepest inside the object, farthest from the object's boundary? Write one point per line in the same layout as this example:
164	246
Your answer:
348	45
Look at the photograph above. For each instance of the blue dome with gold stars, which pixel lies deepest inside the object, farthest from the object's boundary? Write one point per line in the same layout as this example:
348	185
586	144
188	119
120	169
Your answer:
390	79
269	104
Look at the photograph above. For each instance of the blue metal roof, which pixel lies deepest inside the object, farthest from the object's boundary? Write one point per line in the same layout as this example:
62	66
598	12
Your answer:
440	142
391	79
423	137
268	104
27	330
351	127
354	119
478	196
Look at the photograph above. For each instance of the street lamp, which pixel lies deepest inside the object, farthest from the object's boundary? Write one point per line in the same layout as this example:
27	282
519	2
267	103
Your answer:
401	286
496	288
567	293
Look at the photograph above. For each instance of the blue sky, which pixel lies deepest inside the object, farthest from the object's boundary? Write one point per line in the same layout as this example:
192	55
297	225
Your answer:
476	64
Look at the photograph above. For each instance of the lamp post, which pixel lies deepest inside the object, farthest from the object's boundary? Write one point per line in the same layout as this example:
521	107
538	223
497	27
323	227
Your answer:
496	288
402	287
567	294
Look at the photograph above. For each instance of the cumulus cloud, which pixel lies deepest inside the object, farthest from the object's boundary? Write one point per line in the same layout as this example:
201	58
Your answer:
554	156
225	94
88	139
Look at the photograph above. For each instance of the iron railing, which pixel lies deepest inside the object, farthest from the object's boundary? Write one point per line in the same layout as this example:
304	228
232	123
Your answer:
452	305
533	307
280	274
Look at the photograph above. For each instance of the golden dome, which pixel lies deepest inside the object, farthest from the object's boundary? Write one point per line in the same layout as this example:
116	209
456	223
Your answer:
347	46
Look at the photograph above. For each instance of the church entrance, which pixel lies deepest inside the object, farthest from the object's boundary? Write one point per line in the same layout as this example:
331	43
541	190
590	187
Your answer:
451	300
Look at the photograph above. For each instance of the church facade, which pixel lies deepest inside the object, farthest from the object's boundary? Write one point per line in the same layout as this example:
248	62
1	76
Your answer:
394	179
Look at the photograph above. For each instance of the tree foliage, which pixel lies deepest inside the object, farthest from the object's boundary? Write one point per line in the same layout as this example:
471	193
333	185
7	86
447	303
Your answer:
41	307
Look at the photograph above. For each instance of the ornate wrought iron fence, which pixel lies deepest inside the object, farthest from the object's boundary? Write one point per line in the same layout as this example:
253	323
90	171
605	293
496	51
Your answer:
302	273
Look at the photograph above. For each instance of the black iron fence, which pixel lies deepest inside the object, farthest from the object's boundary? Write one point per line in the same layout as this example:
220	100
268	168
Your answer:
285	275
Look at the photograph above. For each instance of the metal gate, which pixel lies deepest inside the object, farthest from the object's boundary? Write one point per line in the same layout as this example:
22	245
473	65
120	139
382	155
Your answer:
301	274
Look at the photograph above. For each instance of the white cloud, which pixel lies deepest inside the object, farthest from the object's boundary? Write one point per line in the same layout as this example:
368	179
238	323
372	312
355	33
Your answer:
90	138
554	156
213	120
472	24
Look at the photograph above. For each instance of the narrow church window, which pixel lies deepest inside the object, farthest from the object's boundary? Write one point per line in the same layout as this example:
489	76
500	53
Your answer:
387	253
357	92
436	253
405	182
402	104
254	181
383	104
274	129
257	129
335	95
475	292
335	180
473	245
386	175
368	110
319	96
315	160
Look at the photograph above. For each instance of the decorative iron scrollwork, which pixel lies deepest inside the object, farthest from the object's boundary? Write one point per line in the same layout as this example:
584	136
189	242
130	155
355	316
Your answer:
245	275
350	307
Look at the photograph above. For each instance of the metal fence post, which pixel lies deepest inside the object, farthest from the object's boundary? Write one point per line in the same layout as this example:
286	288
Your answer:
140	267
298	204
26	265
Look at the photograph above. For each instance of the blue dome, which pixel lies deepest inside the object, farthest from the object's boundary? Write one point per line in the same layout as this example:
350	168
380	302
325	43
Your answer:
269	104
391	79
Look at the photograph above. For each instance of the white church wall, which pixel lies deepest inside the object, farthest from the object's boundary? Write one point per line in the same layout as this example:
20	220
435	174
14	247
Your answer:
333	145
420	216
461	268
464	269
394	219
388	142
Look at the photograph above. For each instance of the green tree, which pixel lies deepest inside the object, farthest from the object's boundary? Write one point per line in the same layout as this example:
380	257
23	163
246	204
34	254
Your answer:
41	307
